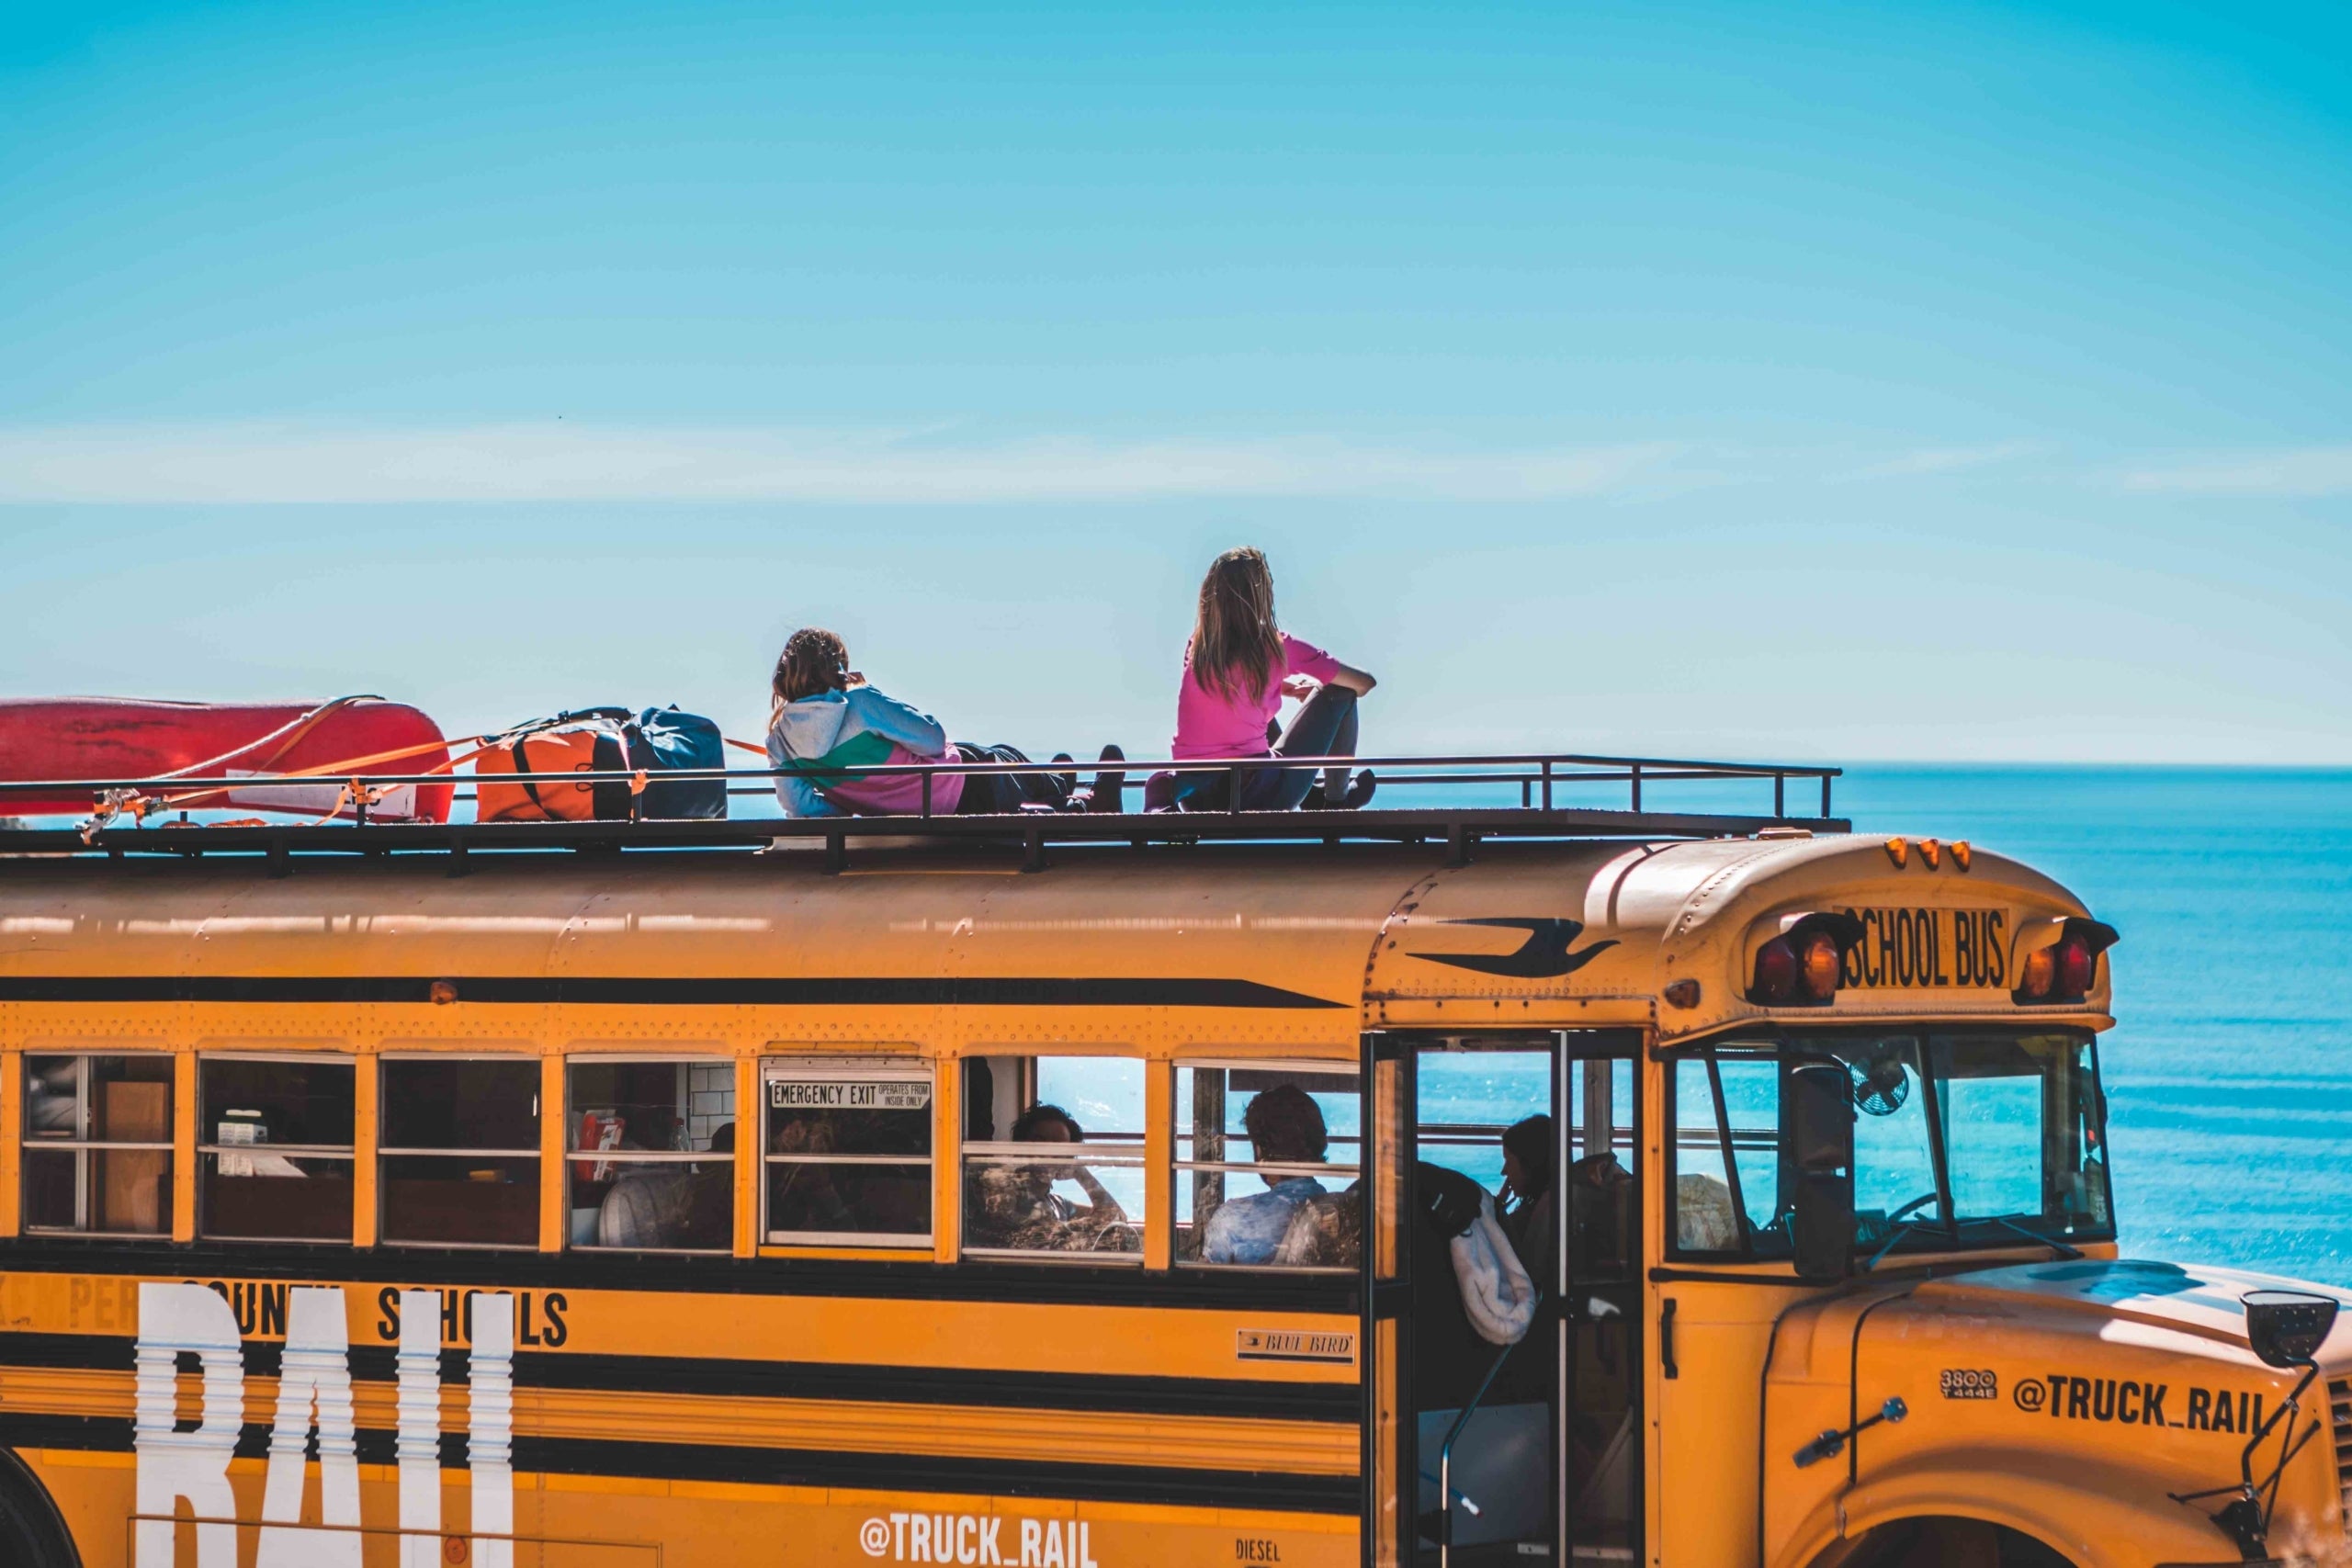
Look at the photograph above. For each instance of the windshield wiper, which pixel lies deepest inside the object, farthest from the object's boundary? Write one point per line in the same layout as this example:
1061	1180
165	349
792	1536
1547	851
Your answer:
1906	1228
2062	1248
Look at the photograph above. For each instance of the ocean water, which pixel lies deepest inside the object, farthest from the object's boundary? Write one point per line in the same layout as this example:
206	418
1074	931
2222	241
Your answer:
2229	1071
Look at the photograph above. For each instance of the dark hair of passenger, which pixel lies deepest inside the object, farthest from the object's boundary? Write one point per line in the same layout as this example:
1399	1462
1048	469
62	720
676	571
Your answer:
1532	1141
722	1139
1027	1125
1237	643
813	661
1285	1126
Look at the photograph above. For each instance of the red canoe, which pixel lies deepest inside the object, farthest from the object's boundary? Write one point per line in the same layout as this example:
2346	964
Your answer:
131	737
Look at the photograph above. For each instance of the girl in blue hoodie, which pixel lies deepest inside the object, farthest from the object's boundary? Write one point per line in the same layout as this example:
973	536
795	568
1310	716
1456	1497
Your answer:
825	718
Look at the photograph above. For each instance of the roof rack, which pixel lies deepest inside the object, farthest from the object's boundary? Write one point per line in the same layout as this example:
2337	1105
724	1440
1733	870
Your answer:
1540	780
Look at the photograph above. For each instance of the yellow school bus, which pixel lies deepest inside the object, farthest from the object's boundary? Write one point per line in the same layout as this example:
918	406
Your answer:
1102	1191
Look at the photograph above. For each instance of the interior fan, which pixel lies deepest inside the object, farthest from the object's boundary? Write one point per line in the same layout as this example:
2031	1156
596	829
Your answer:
1881	1087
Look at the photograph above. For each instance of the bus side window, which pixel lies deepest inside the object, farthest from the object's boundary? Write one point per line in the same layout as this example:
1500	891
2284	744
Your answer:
1267	1165
275	1147
652	1146
460	1155
1726	1166
848	1150
98	1141
1021	1200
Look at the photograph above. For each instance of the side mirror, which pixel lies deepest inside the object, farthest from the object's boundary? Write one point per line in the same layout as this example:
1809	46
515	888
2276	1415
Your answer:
2286	1328
1818	1150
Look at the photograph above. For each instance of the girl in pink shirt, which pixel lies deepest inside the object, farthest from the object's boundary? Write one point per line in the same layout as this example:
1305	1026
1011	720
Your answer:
1238	667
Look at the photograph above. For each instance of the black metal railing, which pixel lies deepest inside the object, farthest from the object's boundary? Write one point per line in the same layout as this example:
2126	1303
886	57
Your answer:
1460	798
1537	776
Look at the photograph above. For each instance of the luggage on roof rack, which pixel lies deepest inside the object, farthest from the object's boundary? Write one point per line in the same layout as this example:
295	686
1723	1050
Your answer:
609	740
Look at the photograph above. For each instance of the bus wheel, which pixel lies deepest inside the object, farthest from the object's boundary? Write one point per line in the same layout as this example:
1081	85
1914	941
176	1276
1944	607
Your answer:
30	1531
1948	1543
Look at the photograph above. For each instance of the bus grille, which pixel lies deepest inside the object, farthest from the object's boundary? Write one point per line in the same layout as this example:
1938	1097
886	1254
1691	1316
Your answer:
2339	1401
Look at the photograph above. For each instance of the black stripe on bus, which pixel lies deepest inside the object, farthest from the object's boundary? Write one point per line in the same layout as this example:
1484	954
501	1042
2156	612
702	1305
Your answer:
664	990
917	1279
923	1473
1233	1397
1237	1398
788	1467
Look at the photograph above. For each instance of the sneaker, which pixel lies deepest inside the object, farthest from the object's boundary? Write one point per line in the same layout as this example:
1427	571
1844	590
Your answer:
1109	787
1359	790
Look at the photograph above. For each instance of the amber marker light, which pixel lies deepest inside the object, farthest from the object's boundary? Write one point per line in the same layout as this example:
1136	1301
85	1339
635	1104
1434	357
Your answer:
1818	962
1899	851
1960	853
1932	852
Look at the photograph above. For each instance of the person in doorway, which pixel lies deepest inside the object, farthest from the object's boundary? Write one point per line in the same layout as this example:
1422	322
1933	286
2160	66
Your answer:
1524	1204
1285	1127
1238	667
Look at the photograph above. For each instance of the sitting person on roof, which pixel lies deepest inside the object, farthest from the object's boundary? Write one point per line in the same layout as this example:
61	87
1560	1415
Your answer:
1238	667
824	718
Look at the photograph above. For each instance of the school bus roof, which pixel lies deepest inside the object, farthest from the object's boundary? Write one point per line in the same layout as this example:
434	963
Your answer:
1263	948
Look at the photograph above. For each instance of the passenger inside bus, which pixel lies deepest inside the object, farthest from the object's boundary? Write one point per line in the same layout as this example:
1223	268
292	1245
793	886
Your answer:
673	1207
1524	1204
1303	1206
636	1130
1285	1127
1014	1206
846	1155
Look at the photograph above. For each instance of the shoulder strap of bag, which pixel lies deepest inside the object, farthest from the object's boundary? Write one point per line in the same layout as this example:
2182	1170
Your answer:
523	775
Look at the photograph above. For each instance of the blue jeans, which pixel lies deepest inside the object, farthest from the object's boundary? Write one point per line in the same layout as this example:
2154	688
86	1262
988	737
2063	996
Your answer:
1326	727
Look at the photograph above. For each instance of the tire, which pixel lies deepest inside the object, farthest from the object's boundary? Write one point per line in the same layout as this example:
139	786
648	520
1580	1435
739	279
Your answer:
32	1532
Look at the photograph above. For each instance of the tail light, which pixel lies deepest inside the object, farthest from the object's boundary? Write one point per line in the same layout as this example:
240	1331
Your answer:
2066	969
1800	966
1776	973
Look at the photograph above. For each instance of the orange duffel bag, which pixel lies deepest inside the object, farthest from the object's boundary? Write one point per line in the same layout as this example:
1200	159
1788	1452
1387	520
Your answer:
539	760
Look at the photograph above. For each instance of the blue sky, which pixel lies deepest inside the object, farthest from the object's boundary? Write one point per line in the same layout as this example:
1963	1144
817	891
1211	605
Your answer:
1933	381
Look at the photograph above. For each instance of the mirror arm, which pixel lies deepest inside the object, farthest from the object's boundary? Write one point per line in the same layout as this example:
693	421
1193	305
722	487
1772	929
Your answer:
1832	1443
2247	1518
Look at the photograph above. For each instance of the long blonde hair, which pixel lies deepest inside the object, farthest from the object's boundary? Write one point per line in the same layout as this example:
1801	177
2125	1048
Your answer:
1237	644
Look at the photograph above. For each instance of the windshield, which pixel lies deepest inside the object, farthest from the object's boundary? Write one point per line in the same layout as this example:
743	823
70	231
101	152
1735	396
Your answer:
1962	1138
